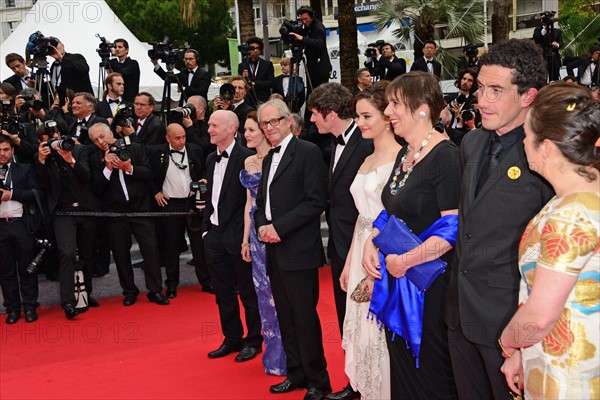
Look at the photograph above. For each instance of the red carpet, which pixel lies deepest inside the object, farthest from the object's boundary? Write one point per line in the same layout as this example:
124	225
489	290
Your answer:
142	352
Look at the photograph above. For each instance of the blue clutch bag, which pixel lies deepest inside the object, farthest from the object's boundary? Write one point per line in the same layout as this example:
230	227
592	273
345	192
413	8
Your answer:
397	238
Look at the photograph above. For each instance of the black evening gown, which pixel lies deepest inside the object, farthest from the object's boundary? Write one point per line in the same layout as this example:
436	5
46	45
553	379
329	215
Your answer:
433	186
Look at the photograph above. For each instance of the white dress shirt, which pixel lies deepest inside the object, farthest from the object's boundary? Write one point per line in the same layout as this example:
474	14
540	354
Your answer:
339	149
177	181
273	169
218	175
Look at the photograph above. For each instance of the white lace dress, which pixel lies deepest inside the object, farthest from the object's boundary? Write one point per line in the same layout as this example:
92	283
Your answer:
367	360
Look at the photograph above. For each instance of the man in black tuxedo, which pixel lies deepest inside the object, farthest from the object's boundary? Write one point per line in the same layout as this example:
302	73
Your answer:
83	106
428	63
70	70
22	78
499	195
194	81
550	41
65	175
196	126
290	86
331	107
317	56
123	187
148	129
388	65
175	165
290	200
258	72
222	230
238	105
463	115
588	72
128	68
363	79
113	96
17	197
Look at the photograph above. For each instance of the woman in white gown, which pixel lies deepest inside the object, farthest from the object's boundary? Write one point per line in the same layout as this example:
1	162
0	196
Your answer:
367	360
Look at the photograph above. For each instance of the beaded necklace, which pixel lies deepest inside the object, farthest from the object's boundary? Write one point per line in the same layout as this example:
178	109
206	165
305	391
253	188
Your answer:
395	186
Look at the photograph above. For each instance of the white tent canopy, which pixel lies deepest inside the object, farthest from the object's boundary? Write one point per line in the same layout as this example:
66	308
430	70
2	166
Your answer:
76	23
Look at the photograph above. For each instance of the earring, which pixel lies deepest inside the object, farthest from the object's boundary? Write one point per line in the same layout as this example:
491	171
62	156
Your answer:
422	114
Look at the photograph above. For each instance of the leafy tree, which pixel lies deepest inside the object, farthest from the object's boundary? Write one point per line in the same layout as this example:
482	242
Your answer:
464	18
580	24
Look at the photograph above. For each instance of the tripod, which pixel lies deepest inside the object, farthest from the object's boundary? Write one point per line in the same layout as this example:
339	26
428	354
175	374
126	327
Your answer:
102	67
43	84
165	106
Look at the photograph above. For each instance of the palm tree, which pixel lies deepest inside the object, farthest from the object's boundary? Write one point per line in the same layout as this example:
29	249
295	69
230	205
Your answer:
500	24
348	42
464	18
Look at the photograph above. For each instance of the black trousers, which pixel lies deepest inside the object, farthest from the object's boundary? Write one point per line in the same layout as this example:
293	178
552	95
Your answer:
296	294
16	252
173	229
228	272
74	235
119	233
337	266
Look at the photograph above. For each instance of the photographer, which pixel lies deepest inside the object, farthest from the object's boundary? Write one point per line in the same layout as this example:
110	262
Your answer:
147	129
290	86
64	172
259	73
112	97
128	68
388	65
588	73
314	39
175	165
194	80
121	175
196	125
22	78
17	224
550	40
83	107
235	104
463	115
69	70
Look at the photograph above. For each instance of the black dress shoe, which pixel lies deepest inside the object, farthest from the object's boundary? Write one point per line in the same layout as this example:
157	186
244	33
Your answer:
225	349
31	315
347	394
158	298
283	387
207	288
129	300
92	302
70	311
171	293
139	264
101	273
248	353
315	394
13	317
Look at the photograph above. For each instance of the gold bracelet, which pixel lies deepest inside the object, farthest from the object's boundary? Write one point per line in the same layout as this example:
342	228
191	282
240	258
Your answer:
503	349
245	244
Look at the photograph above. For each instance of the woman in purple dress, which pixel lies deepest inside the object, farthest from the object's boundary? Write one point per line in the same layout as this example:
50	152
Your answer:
254	250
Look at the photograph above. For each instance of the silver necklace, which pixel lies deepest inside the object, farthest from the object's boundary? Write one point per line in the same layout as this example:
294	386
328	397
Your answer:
395	186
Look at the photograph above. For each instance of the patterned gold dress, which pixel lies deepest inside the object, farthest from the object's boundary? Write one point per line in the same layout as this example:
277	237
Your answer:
563	237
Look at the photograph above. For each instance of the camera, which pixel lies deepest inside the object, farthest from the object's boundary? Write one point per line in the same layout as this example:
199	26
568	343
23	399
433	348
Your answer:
188	110
227	91
64	143
8	121
124	115
289	26
245	50
41	46
163	51
121	148
200	190
548	18
467	115
103	49
45	245
32	102
371	50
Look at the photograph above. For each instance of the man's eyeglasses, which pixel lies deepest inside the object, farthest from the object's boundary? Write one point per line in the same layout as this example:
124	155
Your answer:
273	122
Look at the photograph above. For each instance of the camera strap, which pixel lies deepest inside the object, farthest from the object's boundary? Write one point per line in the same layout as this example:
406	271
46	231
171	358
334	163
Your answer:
7	178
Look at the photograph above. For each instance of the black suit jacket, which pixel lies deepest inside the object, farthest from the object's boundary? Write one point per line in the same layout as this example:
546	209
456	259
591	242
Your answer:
84	137
317	56
242	112
484	283
77	179
582	65
199	87
395	67
103	108
130	69
231	200
25	189
74	73
152	132
15	81
421	65
294	106
263	80
160	159
342	212
298	197
198	135
110	190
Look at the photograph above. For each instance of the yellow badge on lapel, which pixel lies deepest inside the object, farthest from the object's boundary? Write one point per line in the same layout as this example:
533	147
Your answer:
514	172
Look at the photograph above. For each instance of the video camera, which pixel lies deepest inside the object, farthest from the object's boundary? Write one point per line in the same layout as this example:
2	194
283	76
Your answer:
64	142
548	18
31	102
40	46
163	51
245	50
471	51
103	49
8	120
200	190
35	264
289	26
371	48
188	110
124	115
121	148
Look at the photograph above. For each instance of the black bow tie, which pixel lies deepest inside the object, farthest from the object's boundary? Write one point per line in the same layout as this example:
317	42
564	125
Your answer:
340	140
191	71
110	101
429	61
178	152
274	150
82	123
222	155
